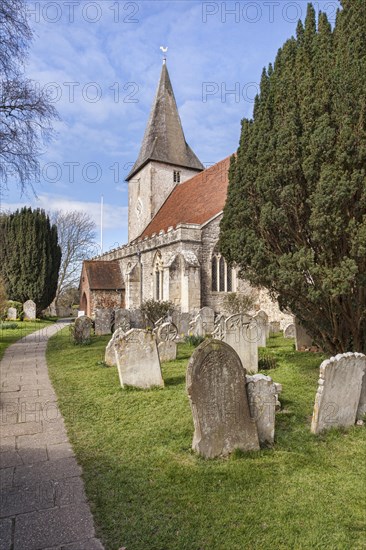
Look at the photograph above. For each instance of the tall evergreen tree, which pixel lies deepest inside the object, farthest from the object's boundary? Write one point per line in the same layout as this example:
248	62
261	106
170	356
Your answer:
295	217
30	256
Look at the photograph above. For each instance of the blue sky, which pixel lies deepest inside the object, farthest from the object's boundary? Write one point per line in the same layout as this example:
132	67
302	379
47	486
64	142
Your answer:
101	61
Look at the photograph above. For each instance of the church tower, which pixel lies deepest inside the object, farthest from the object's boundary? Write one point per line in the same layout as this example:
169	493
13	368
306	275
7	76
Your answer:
164	161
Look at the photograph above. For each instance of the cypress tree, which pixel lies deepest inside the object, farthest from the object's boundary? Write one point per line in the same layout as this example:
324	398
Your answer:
31	257
295	217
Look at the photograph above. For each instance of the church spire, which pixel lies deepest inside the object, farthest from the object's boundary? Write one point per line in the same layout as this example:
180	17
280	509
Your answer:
164	139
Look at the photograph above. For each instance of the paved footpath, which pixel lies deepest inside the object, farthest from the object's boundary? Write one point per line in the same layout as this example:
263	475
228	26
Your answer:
43	503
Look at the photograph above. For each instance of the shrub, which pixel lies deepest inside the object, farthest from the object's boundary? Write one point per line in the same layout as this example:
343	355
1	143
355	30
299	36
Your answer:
194	340
8	326
153	310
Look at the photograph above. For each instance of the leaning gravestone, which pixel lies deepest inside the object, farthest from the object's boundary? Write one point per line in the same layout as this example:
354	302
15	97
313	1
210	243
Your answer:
167	351
29	308
216	388
103	321
138	360
12	314
110	354
241	333
339	391
261	318
289	331
82	330
262	395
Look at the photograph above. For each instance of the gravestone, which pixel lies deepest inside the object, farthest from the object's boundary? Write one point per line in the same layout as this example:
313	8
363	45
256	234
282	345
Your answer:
138	360
136	318
29	308
289	331
196	327
103	321
12	313
208	320
82	329
303	339
261	319
241	333
262	395
339	391
167	351
217	393
182	320
122	319
361	409
110	354
274	327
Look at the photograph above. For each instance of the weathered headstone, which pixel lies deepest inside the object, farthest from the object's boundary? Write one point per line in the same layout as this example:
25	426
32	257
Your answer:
122	319
138	360
136	318
261	318
208	319
303	339
274	327
289	331
182	320
262	395
82	329
361	409
339	391
196	327
103	321
241	333
110	354
12	313
167	351
29	308
216	388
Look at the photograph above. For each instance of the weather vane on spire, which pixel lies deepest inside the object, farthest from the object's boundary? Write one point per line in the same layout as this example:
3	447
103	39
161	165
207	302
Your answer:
164	50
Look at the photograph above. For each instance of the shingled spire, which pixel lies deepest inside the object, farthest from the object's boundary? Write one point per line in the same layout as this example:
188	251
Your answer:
164	139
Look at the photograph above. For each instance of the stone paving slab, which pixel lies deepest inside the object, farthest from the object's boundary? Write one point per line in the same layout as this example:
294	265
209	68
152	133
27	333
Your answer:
43	505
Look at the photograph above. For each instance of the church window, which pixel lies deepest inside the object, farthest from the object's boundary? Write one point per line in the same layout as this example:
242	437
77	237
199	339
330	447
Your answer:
176	176
214	273
222	276
158	278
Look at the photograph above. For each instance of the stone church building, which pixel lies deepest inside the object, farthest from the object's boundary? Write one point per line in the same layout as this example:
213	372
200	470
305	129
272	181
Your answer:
174	210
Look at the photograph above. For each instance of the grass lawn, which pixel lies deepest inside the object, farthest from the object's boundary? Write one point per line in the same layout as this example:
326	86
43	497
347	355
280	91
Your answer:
9	336
148	490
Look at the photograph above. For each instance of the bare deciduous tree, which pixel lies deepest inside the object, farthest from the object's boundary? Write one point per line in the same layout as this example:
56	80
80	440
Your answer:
76	236
26	112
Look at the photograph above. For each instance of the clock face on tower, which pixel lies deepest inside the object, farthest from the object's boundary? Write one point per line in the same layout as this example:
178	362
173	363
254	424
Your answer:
139	207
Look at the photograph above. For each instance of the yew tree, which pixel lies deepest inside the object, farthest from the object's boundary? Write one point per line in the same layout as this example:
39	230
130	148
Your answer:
295	217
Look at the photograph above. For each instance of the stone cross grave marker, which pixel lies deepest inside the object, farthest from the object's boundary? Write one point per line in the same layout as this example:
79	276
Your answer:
339	391
138	360
29	308
216	389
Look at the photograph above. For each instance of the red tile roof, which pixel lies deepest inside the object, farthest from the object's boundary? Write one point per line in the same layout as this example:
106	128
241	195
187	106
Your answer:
197	200
104	275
